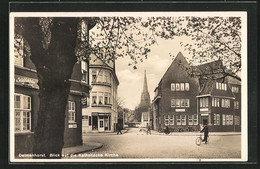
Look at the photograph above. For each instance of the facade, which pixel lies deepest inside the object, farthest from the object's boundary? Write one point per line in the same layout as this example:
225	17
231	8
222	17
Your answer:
184	103
143	110
26	104
101	113
175	103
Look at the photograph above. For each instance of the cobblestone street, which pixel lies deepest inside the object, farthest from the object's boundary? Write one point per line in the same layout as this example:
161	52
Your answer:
132	145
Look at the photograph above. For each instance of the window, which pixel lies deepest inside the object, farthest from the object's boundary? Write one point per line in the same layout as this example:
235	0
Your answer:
101	124
193	119
204	102
166	120
216	120
180	102
100	98
190	119
178	119
177	87
227	119
226	103
172	86
72	112
171	119
182	86
173	103
234	89
237	120
94	75
223	119
94	97
100	76
236	104
84	71
221	86
183	119
22	105
106	98
187	86
215	102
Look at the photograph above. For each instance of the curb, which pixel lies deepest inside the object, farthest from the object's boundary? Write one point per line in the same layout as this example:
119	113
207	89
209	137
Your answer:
98	147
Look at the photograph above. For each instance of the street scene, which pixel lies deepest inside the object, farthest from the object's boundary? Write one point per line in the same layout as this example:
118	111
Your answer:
159	145
139	87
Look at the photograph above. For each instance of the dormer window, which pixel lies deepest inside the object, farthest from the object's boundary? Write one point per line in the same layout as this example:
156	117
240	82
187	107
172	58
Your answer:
221	86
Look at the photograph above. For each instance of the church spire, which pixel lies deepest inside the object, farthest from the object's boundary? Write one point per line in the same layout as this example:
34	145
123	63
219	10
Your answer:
145	87
145	97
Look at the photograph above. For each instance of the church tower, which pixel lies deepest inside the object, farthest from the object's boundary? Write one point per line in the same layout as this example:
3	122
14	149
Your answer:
145	96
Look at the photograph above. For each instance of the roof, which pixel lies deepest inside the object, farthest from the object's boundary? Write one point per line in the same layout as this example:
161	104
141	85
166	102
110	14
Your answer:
209	88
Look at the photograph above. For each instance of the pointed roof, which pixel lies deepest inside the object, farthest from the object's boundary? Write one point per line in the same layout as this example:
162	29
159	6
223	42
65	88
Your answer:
145	87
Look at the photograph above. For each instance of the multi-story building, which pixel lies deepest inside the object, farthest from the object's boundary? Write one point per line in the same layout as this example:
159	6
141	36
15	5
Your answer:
183	102
175	103
26	103
101	113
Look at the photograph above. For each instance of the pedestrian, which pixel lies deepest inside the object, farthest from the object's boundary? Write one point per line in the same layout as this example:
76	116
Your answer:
119	129
167	131
148	130
206	133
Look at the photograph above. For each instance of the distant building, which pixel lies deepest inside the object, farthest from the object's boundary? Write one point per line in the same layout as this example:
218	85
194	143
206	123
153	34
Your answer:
26	103
143	110
184	103
101	114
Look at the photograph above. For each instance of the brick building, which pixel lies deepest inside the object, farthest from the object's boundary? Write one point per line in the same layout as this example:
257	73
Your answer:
183	102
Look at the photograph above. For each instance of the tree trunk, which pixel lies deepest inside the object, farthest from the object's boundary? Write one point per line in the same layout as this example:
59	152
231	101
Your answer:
54	62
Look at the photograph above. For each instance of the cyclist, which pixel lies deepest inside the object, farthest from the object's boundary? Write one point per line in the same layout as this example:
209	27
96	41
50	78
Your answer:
206	133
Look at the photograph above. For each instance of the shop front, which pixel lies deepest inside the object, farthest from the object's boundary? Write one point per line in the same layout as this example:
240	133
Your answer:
101	122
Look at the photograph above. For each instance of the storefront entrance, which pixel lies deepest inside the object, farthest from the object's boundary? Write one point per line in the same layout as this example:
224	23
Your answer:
101	122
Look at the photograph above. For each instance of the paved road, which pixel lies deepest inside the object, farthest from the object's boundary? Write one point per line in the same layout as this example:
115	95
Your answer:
131	145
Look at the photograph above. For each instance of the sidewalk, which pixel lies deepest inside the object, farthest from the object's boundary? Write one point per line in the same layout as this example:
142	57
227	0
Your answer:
197	133
82	148
104	133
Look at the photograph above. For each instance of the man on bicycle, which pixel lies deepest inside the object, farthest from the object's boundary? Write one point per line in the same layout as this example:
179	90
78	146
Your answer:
206	133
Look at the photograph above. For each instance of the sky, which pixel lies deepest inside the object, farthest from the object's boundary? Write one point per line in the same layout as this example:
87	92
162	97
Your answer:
131	80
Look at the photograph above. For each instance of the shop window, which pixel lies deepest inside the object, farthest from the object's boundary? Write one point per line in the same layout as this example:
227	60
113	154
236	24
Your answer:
72	112
22	104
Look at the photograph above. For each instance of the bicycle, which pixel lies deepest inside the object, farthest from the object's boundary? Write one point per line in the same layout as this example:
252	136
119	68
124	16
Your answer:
200	139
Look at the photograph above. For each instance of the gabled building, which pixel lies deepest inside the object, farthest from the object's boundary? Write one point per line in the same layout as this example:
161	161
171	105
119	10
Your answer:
26	103
175	102
183	102
101	113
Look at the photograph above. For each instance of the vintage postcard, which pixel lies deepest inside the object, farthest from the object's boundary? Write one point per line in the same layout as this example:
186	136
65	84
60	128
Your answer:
128	87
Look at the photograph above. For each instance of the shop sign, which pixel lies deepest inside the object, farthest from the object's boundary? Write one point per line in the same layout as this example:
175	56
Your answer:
26	81
104	114
72	125
204	109
180	110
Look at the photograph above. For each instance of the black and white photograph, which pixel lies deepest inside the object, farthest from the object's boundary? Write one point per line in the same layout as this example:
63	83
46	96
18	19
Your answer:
128	86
